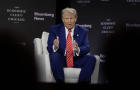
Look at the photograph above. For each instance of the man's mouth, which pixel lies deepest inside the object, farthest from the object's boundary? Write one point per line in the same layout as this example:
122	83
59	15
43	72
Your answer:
69	24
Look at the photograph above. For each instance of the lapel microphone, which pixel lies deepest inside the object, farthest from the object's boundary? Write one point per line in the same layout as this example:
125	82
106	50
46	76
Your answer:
75	35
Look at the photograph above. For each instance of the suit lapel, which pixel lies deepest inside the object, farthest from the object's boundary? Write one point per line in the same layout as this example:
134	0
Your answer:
76	34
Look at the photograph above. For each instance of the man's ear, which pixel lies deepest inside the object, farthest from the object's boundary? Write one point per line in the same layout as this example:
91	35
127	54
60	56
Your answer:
75	19
62	19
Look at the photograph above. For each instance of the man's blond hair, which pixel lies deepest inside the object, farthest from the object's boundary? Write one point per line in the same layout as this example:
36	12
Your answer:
69	10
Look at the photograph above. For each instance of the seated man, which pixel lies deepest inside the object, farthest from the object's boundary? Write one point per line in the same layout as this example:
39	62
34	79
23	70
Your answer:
68	46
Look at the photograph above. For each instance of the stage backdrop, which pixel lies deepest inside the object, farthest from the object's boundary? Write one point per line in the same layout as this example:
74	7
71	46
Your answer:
104	18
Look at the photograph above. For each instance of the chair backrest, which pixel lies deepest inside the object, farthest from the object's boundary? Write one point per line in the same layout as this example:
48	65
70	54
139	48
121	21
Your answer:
44	39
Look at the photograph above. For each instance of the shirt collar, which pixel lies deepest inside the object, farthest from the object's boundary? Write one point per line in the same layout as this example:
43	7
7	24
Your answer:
71	29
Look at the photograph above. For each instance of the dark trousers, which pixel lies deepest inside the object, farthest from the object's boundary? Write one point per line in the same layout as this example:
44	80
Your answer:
86	63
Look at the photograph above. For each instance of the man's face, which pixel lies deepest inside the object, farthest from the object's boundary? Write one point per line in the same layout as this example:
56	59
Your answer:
69	20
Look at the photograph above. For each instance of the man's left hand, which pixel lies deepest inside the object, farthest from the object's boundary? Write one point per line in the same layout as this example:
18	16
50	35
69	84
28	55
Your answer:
75	46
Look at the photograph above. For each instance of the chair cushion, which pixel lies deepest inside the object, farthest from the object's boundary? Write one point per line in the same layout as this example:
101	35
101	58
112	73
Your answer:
71	75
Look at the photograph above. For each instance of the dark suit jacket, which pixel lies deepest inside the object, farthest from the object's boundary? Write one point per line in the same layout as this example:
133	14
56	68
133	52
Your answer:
80	35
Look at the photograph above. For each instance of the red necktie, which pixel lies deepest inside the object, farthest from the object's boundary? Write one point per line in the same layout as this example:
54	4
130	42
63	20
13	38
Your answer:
69	50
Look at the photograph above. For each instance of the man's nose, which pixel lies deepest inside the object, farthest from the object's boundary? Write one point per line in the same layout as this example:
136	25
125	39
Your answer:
69	20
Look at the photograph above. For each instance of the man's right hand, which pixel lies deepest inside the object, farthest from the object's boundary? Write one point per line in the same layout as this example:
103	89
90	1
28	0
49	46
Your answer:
56	43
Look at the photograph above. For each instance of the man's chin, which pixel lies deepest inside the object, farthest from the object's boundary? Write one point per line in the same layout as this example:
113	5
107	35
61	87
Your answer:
70	27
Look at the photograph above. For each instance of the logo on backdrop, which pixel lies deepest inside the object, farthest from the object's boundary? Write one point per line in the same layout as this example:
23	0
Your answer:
132	26
88	26
82	2
16	14
38	16
137	25
104	0
133	2
107	26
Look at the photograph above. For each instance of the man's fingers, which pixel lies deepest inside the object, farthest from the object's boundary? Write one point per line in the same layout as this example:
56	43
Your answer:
57	38
56	41
75	43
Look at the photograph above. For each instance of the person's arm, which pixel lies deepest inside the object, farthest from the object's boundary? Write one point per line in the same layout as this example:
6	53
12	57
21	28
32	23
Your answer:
84	47
56	44
51	38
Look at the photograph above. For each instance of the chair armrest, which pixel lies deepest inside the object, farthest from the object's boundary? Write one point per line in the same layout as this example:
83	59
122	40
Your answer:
38	49
95	74
44	72
44	39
